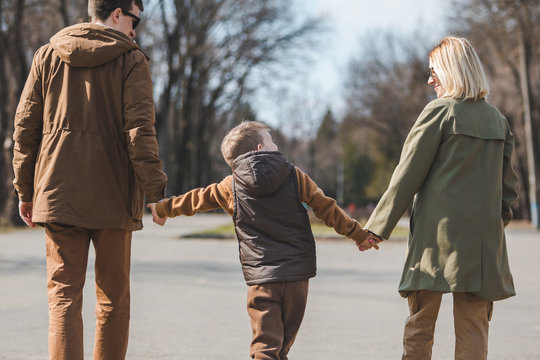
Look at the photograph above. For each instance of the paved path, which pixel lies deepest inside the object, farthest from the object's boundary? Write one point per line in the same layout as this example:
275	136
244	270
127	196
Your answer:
188	300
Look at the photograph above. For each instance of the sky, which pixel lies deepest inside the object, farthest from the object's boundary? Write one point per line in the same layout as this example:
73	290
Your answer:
349	20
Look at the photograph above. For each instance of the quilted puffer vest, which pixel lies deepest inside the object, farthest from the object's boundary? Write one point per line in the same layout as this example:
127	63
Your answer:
274	234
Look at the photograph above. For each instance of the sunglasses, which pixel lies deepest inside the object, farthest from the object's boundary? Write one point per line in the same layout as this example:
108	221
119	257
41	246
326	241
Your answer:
136	19
431	73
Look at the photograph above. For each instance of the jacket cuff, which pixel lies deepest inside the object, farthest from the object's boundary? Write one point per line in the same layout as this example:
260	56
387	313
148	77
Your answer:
154	198
359	235
24	197
160	209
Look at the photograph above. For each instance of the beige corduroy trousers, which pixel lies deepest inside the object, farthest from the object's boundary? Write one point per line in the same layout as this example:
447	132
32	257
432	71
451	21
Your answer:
471	324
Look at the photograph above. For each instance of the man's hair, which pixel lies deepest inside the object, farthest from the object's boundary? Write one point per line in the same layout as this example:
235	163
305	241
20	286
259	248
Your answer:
459	69
101	9
241	139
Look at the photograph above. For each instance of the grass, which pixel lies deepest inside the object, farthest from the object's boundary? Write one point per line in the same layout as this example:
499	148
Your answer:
5	229
320	231
220	232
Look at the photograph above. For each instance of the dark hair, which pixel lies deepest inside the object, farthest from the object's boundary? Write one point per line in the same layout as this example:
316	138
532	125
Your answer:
101	9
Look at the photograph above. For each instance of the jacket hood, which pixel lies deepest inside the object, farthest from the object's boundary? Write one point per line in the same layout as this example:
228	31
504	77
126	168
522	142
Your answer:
90	44
261	172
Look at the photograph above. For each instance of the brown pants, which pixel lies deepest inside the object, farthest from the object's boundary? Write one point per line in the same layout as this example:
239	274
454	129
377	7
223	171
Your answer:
471	324
67	256
276	311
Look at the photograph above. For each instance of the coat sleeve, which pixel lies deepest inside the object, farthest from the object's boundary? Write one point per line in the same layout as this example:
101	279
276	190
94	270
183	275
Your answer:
27	133
139	118
509	181
416	159
212	197
326	209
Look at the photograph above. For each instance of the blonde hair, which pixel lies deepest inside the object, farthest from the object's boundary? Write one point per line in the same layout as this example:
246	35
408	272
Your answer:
459	69
241	139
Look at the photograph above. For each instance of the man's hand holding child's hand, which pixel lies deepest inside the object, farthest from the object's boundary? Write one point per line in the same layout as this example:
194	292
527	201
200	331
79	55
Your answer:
155	217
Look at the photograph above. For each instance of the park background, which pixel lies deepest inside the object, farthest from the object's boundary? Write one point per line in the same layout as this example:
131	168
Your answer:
340	82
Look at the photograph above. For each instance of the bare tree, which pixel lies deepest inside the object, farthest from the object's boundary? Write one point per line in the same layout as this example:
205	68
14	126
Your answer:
24	26
507	37
14	67
386	89
211	48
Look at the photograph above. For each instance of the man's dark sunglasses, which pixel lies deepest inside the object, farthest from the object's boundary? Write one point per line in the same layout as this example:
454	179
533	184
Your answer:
136	20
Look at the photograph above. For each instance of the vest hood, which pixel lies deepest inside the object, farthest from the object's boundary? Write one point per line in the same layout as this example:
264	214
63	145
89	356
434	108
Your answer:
90	44
261	172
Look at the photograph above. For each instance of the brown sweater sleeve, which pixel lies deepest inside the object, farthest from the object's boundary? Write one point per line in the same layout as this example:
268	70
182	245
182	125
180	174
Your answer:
326	209
212	197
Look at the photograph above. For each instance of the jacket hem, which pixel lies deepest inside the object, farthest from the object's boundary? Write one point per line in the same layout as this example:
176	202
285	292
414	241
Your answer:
280	279
500	296
43	219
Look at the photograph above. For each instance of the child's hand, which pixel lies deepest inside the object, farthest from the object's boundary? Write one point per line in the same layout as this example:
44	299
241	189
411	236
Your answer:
370	242
155	218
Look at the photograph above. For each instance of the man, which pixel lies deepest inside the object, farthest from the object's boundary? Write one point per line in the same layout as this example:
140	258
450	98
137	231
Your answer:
85	154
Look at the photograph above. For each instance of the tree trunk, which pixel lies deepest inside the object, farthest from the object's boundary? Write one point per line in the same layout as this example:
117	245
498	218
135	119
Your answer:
524	56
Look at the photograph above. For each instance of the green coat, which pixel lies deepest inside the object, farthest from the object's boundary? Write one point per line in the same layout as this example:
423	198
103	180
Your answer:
456	160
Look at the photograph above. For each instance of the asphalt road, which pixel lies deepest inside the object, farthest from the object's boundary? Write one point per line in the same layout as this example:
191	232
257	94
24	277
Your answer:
188	299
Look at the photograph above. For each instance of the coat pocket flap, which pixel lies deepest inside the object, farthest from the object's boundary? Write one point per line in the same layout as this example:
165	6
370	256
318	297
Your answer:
493	131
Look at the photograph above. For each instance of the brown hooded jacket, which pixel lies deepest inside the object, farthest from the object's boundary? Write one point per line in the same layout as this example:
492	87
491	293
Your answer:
85	147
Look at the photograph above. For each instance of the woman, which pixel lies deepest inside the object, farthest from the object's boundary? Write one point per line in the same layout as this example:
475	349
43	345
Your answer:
456	160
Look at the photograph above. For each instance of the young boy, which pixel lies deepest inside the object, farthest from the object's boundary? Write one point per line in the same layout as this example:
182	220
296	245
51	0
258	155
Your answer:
264	196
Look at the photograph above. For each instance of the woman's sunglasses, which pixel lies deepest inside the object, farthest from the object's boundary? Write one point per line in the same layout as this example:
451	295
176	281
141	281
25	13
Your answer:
431	73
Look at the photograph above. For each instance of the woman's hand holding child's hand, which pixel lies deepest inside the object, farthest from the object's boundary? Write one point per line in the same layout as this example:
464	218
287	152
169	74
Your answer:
372	241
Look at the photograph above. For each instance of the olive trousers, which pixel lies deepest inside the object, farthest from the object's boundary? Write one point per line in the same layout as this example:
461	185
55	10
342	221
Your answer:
471	324
276	311
67	256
